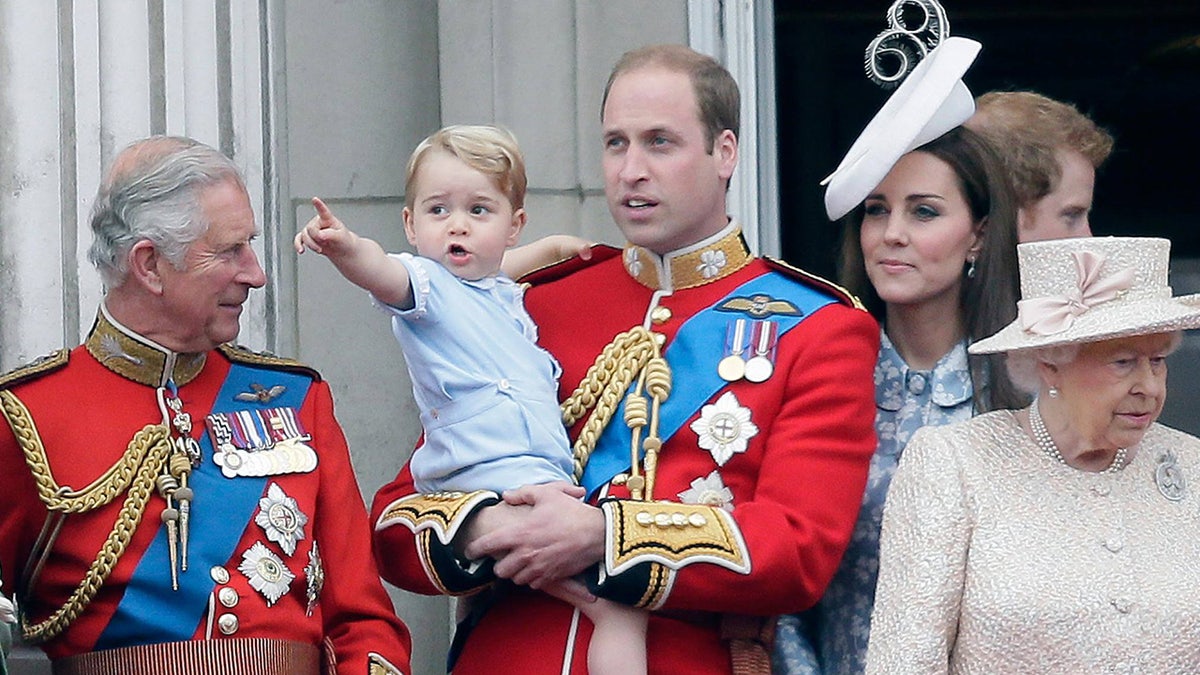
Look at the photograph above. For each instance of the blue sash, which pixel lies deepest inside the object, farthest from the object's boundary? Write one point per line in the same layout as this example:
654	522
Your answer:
693	356
150	612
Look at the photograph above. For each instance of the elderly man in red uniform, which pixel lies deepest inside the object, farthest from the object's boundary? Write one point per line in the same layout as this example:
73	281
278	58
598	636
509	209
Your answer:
720	404
173	503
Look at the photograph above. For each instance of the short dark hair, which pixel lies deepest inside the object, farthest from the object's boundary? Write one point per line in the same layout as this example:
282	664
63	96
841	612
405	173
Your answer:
716	91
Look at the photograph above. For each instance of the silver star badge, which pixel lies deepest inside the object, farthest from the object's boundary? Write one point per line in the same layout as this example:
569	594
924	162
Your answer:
709	491
314	572
724	428
266	572
281	518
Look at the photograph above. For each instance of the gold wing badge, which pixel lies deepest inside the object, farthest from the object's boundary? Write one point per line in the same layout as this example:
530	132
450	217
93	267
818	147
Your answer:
261	394
750	344
760	307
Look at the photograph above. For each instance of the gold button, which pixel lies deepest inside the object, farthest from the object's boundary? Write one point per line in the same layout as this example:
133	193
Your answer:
227	623
228	597
660	315
219	574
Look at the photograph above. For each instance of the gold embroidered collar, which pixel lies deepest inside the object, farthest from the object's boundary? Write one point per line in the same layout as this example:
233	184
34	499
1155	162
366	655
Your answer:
705	262
137	358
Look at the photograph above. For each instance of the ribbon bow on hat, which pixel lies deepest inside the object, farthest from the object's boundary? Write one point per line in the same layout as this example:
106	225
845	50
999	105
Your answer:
1055	313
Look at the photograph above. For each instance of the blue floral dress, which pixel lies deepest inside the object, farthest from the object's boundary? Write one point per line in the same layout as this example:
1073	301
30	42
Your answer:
831	638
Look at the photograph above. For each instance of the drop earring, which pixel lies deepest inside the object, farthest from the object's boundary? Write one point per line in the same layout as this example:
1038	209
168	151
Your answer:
971	267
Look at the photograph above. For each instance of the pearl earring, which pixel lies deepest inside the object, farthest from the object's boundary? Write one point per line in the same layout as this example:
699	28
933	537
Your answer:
1053	392
971	267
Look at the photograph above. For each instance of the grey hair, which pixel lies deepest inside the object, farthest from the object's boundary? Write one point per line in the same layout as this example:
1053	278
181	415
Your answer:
1023	364
152	192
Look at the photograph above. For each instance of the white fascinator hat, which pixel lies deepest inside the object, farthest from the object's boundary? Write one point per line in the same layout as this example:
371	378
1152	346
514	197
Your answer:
1090	289
931	101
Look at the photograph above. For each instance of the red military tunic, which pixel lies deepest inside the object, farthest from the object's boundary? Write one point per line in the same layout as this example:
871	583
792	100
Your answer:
794	486
85	415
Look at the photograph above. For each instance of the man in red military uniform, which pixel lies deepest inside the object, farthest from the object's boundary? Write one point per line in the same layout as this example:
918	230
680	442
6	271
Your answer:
173	503
743	387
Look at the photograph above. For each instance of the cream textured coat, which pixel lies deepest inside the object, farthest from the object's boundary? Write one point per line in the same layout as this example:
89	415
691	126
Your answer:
998	559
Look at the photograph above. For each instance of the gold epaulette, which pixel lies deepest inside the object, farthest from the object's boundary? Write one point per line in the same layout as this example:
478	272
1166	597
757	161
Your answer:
240	354
36	368
820	283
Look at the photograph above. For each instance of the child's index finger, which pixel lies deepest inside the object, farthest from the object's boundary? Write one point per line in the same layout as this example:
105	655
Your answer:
323	211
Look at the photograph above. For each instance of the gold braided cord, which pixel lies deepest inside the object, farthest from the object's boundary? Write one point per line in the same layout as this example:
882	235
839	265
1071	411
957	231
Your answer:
658	386
658	379
603	386
136	472
59	498
152	442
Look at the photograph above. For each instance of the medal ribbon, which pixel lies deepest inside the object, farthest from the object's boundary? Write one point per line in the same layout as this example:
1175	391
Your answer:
150	612
692	357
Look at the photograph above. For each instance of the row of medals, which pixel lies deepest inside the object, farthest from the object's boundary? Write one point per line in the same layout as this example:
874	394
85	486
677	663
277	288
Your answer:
749	351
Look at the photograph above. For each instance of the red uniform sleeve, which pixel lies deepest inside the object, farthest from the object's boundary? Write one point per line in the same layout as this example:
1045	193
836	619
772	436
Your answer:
395	548
358	615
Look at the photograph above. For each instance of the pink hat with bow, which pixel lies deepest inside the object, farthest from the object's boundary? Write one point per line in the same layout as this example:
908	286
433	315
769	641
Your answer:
1092	289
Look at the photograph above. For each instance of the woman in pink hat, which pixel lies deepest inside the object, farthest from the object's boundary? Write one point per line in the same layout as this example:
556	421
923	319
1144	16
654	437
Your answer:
1063	537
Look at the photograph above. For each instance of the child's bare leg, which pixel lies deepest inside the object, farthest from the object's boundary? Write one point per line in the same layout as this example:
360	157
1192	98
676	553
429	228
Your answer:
618	645
618	638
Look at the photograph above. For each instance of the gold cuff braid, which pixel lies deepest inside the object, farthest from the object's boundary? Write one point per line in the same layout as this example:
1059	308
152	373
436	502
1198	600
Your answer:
136	472
672	534
377	665
441	512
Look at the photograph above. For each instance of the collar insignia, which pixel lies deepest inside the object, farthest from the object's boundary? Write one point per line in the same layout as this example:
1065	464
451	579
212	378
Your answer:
704	263
137	358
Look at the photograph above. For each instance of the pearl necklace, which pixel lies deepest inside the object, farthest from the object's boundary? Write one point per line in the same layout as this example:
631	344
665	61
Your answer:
1042	435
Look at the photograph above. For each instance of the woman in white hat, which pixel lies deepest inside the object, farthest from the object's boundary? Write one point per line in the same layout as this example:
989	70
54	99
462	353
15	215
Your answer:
930	246
1064	537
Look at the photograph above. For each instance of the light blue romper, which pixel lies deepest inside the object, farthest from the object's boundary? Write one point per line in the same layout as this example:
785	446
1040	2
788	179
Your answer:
488	394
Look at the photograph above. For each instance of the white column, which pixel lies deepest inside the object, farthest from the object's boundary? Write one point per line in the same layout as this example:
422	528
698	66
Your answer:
250	127
81	82
124	75
199	48
89	164
30	176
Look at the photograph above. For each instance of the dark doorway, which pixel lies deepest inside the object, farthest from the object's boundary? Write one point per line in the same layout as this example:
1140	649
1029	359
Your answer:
1134	67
